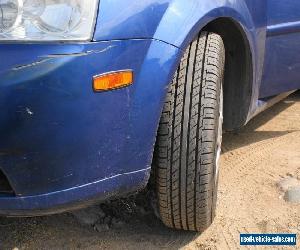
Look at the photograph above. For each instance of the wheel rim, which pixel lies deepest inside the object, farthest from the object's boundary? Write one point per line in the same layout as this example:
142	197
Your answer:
219	134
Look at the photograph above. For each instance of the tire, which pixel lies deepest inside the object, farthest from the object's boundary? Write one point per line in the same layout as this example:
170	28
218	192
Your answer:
189	138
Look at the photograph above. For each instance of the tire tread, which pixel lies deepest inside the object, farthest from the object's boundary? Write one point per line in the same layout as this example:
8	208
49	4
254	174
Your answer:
185	148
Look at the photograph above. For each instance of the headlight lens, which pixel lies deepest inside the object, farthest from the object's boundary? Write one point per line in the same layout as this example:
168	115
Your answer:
9	14
47	20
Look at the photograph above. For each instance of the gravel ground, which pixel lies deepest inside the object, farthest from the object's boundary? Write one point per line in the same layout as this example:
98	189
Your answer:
259	191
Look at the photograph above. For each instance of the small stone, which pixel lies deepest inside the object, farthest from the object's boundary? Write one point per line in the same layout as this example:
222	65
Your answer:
89	216
107	220
286	183
101	228
117	223
142	211
293	195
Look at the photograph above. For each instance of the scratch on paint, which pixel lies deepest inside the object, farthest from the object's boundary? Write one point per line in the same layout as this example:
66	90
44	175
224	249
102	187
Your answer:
29	111
64	177
53	56
81	53
114	176
30	64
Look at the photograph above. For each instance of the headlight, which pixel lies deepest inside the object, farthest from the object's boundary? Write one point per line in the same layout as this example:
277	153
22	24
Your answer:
47	20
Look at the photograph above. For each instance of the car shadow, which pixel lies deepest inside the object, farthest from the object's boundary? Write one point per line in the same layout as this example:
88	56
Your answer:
129	223
241	138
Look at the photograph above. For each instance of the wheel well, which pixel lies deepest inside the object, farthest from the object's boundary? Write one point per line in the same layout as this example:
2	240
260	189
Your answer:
238	72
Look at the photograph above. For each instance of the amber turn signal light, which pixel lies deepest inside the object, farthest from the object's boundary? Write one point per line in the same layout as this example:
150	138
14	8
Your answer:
112	80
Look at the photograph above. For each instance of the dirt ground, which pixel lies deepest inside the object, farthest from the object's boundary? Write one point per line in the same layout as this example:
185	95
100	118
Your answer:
258	164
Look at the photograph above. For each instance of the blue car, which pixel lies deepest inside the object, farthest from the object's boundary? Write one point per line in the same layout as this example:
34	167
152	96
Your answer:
97	95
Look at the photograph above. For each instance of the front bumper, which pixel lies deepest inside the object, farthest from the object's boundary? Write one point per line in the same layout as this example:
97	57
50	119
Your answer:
62	144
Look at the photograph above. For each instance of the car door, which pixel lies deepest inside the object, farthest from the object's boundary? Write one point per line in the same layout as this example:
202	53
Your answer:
282	58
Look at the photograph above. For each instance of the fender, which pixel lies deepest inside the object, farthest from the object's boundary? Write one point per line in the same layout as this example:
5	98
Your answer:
177	22
191	17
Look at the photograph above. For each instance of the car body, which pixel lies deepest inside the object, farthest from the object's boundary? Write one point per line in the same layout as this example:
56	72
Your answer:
64	146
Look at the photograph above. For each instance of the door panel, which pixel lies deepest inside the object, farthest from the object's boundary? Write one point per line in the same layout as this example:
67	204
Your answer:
282	61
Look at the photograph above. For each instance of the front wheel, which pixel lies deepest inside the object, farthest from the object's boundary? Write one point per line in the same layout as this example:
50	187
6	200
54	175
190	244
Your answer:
189	138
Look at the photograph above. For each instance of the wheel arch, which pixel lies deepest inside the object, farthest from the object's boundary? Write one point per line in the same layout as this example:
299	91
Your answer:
178	22
236	27
238	78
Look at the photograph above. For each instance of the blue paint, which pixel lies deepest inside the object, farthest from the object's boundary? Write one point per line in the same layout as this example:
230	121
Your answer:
75	197
283	29
58	133
282	65
63	145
